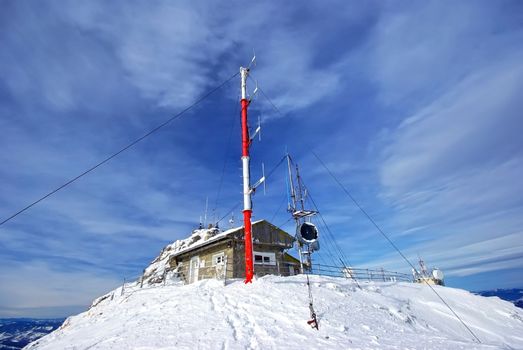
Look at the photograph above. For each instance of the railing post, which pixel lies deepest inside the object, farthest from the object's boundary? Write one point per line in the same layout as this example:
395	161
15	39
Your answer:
225	271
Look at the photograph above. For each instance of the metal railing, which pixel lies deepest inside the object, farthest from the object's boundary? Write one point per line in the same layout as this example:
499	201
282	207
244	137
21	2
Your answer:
225	271
360	274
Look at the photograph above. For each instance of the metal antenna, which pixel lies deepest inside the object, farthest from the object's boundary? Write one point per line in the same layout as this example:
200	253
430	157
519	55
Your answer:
253	61
291	185
300	188
254	92
231	220
264	182
206	208
260	181
259	125
256	132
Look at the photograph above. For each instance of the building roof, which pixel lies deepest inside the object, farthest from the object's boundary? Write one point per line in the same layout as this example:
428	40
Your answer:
289	258
203	237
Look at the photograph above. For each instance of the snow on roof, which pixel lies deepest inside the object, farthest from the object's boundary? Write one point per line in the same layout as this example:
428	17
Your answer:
199	237
203	237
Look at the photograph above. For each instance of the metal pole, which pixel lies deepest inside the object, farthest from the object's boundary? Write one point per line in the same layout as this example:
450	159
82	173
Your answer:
291	183
300	254
292	208
247	206
300	189
225	271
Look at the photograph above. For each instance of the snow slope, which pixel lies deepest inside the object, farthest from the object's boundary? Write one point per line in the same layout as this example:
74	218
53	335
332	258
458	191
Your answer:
271	313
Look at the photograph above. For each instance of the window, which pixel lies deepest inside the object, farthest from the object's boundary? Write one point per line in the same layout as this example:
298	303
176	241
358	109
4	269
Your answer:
262	258
218	259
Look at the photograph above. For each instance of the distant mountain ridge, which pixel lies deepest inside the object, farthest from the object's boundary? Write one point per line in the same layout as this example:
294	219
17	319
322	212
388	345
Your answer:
15	333
514	295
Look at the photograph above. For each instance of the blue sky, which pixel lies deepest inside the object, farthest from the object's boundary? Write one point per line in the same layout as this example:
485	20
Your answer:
416	107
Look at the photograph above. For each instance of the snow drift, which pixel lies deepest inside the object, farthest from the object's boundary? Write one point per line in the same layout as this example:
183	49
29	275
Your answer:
271	313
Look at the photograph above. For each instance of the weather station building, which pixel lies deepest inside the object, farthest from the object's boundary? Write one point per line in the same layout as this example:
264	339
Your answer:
212	253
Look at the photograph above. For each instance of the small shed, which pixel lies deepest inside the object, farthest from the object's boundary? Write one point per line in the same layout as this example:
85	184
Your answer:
211	253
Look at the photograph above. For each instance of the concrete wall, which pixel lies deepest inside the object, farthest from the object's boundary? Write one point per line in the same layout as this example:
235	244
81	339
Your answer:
206	269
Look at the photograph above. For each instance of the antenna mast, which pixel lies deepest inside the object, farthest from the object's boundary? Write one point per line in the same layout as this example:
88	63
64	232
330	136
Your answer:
301	215
291	207
306	232
247	204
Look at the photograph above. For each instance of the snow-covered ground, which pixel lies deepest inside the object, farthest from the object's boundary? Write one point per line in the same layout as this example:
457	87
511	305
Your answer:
271	313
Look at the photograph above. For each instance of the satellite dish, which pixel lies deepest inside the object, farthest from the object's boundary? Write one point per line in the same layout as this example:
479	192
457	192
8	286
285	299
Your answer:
307	233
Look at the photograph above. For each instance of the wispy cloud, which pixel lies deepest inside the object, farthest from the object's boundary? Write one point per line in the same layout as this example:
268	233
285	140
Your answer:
451	165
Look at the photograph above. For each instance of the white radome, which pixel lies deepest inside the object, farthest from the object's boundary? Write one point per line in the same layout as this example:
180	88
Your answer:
437	274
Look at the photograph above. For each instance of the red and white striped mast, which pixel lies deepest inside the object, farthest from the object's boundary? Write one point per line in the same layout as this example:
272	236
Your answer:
247	203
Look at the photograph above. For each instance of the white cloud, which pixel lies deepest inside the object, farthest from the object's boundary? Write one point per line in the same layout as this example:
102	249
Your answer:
171	51
449	151
419	50
456	166
55	287
460	129
474	268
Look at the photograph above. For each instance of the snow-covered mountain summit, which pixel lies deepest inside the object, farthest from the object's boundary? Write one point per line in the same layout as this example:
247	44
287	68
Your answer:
271	313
